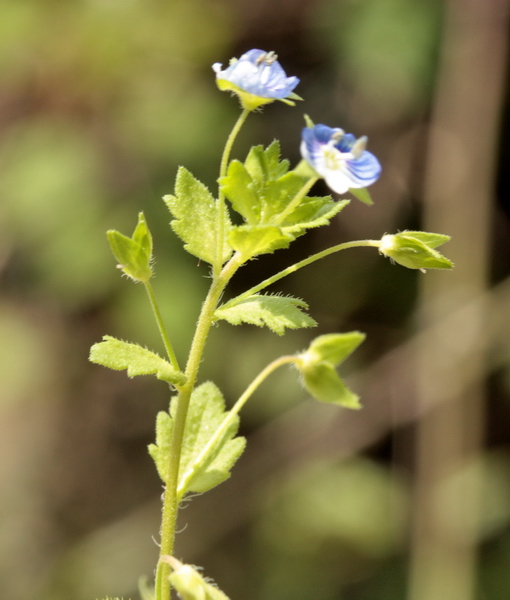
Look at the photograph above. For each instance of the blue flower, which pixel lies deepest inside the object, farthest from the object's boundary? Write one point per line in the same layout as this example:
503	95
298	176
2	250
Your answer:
257	78
339	158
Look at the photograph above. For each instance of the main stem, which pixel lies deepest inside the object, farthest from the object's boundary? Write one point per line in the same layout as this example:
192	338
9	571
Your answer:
170	503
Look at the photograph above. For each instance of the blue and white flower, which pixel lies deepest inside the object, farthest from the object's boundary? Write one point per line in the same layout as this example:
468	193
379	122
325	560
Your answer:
340	158
257	78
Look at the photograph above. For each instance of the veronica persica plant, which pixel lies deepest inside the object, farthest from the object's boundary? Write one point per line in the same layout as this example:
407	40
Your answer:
196	443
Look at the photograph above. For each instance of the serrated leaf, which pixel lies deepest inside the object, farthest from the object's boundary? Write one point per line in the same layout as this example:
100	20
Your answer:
324	384
160	451
275	312
210	448
313	212
264	165
196	217
333	347
252	240
362	194
118	355
239	188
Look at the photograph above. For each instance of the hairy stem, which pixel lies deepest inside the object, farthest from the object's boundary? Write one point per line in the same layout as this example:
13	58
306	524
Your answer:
170	500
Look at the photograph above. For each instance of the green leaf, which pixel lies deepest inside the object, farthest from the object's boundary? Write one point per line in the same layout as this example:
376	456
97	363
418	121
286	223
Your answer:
324	384
118	355
189	583
333	347
275	312
160	451
362	194
134	254
210	447
312	212
264	165
252	240
238	187
196	218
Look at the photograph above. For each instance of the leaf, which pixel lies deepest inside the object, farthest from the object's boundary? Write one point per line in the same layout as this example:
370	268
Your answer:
210	448
252	240
324	384
118	355
196	218
263	165
238	187
134	254
312	212
160	451
362	194
275	312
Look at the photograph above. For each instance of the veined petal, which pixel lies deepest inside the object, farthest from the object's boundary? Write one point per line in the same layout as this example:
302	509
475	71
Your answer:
258	74
339	158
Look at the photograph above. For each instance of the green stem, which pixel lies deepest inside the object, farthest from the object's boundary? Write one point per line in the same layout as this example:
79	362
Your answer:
170	500
234	411
221	196
161	326
307	261
296	201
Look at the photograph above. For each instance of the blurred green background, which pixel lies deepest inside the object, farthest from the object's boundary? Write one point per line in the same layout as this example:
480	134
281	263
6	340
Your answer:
100	102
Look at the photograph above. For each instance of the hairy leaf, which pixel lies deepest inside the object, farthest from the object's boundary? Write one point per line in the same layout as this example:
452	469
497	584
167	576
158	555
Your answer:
118	355
210	447
252	240
275	312
196	217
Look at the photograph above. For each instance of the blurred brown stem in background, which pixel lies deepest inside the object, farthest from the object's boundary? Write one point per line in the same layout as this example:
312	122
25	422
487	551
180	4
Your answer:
458	201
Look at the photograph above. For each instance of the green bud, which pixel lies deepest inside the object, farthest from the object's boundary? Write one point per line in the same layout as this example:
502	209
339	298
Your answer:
134	254
189	584
415	249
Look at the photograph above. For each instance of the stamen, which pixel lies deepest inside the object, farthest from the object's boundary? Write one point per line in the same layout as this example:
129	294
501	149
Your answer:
268	57
359	146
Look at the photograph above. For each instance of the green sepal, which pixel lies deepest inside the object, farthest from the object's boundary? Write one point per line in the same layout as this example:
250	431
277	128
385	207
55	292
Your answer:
333	347
324	384
415	249
189	583
134	254
196	218
362	194
275	312
119	355
210	448
317	367
252	240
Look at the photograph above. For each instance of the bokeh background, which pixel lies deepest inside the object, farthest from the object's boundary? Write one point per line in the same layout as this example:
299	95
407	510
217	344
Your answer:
100	101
